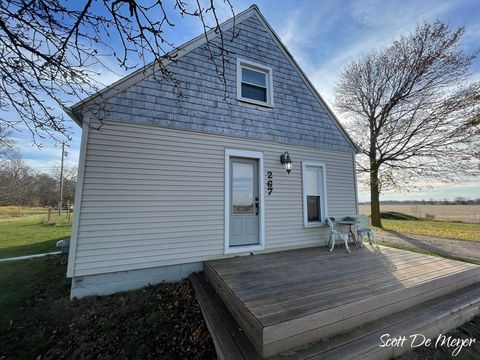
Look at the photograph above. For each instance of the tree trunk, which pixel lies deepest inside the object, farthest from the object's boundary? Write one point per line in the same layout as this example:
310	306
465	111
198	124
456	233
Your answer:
375	196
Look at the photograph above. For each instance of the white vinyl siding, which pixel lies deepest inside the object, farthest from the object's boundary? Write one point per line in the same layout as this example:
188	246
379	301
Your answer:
153	196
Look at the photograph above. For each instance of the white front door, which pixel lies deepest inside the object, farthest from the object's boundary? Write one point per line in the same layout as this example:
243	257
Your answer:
244	204
244	201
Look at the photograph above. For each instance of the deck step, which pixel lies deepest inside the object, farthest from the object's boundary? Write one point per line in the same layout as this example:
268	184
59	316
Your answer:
228	338
430	318
376	308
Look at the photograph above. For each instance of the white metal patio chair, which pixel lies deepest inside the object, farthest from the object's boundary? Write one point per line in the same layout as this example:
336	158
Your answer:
335	234
363	230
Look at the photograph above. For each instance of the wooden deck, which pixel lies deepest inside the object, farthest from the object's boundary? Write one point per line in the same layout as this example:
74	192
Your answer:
287	299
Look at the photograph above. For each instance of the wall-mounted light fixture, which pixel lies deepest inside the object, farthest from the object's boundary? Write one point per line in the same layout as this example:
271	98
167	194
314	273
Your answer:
285	160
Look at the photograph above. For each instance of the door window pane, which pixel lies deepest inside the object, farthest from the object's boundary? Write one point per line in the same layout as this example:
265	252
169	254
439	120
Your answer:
242	188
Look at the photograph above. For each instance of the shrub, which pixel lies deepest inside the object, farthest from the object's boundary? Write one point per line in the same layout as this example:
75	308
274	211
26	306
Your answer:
393	215
429	217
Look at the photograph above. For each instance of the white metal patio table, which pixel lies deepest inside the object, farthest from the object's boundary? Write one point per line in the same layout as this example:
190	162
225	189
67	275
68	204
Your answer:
351	225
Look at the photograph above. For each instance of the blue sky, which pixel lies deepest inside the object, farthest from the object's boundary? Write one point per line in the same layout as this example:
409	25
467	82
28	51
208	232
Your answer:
322	36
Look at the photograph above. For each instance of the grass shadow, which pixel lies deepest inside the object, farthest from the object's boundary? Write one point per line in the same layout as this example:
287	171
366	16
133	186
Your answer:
31	249
23	281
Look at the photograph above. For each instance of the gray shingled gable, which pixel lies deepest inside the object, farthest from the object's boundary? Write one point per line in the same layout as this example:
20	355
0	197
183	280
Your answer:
297	118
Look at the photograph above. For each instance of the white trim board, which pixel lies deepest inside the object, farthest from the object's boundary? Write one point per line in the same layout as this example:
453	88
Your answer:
78	201
261	198
357	206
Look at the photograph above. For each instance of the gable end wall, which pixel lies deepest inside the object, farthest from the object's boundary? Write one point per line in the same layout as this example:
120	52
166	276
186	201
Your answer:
297	118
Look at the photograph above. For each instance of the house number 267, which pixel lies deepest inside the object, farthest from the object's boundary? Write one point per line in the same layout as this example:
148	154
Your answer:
269	182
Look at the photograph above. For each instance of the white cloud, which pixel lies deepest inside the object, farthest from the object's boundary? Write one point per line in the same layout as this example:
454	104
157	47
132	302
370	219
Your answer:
297	38
49	166
47	156
379	22
306	28
388	14
472	35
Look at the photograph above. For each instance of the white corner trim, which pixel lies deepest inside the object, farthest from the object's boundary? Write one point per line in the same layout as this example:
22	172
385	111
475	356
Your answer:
355	183
247	248
261	68
306	224
78	201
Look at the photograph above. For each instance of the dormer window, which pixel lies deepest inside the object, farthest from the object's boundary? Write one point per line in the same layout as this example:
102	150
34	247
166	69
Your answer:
254	83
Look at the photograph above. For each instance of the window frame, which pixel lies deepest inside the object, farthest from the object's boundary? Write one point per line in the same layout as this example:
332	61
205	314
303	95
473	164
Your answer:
247	64
322	192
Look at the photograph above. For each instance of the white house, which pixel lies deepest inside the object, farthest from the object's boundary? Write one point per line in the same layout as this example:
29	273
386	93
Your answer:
168	182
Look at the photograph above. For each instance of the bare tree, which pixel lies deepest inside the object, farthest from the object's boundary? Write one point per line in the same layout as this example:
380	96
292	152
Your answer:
52	51
7	144
16	182
69	179
20	186
406	106
45	191
474	123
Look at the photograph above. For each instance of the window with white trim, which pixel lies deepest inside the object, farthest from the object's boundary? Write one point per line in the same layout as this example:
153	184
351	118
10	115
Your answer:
314	193
254	83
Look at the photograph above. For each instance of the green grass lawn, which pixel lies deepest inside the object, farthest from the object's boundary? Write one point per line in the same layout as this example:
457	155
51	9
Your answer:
27	233
442	229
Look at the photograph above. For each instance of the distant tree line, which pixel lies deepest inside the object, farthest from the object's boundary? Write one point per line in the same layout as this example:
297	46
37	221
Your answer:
20	185
460	200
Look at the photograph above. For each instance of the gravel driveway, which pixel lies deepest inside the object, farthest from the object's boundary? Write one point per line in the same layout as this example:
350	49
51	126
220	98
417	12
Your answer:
467	250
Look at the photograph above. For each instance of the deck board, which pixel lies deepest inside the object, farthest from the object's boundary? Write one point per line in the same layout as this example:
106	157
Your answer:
244	280
304	290
325	282
302	295
341	264
294	311
298	307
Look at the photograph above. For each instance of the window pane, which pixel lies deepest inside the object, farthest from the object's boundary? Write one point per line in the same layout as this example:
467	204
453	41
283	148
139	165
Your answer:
254	92
313	208
242	188
254	77
312	181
